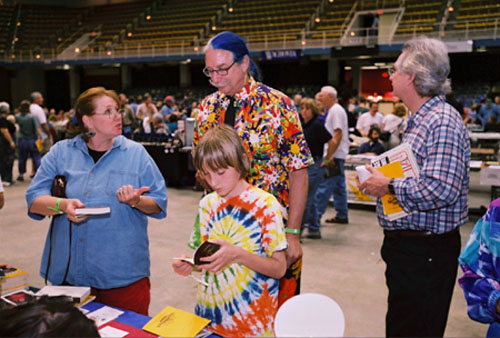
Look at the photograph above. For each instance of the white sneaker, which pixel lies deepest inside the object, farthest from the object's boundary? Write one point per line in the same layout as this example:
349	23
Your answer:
6	184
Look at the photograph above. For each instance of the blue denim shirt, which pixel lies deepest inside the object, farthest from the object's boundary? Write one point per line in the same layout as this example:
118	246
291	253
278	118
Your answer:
107	251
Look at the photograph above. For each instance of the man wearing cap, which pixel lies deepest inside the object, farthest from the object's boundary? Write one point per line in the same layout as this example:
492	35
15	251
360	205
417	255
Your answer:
168	107
270	128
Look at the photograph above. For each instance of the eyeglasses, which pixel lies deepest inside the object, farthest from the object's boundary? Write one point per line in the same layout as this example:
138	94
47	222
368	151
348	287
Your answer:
220	72
110	113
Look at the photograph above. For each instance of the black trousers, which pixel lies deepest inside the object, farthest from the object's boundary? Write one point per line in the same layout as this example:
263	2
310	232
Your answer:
421	274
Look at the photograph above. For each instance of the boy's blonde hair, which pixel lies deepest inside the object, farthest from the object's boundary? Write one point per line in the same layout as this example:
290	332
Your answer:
221	147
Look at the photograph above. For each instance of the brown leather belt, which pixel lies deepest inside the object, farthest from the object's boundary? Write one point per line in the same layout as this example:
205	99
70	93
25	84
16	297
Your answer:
416	233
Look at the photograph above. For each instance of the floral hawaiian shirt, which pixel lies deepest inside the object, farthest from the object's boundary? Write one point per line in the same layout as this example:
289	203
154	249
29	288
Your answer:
270	128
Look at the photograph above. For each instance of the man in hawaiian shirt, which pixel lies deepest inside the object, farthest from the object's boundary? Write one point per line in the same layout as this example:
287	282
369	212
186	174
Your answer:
269	126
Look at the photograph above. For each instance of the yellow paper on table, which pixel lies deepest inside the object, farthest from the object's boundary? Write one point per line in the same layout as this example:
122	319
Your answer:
39	144
172	322
389	201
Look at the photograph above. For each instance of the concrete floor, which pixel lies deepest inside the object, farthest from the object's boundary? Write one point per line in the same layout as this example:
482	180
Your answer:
345	265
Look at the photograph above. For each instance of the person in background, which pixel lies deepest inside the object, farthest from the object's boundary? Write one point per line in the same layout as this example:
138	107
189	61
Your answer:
168	108
46	317
395	124
271	132
110	252
29	132
374	146
297	99
492	125
487	110
323	113
481	272
248	225
316	137
159	127
128	116
337	125
366	120
38	112
7	145
360	108
145	111
421	249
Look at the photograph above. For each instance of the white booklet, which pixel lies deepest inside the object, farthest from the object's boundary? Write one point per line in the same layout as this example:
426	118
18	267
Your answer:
104	315
78	293
83	212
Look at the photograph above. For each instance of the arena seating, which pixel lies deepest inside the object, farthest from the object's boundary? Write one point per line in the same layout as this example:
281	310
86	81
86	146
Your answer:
477	14
258	20
172	24
29	32
6	24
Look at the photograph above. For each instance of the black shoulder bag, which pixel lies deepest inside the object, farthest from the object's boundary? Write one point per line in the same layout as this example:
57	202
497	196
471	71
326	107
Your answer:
58	189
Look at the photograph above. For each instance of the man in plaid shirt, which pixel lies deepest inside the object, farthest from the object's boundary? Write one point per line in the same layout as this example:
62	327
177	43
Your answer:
421	249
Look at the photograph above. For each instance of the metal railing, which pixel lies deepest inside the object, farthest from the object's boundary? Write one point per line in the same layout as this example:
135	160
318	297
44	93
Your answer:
461	31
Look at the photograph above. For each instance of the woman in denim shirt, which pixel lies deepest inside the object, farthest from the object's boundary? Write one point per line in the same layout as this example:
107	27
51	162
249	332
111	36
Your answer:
109	252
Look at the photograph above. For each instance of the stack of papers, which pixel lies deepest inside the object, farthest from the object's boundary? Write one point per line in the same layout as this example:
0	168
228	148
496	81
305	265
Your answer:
78	293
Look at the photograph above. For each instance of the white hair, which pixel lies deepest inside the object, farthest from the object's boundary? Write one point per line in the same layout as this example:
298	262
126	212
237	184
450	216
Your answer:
428	59
4	107
330	91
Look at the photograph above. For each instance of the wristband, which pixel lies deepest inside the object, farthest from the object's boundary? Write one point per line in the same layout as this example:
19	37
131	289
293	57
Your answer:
326	161
57	208
292	231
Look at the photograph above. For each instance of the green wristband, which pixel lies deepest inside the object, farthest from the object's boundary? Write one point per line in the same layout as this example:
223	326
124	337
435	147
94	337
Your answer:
57	208
292	231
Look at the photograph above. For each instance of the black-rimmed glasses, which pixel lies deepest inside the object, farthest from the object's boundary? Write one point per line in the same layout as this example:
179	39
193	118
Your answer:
220	72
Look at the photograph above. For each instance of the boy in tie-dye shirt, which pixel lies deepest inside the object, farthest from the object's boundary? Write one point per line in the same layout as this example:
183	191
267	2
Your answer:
240	290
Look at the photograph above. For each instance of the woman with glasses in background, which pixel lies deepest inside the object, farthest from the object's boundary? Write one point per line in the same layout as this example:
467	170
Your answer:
102	168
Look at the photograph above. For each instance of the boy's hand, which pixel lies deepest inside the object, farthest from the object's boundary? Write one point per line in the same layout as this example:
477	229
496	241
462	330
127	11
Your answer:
181	267
227	254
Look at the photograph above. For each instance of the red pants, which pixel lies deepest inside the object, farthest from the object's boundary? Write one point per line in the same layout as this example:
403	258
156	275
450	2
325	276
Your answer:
134	297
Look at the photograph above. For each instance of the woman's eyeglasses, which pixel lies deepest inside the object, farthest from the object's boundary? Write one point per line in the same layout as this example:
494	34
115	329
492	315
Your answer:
110	113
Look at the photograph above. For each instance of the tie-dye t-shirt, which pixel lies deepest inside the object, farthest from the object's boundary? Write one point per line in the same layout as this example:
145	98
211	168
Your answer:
239	301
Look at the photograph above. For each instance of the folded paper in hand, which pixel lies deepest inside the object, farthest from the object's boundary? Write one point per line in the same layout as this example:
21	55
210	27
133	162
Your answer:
206	249
397	162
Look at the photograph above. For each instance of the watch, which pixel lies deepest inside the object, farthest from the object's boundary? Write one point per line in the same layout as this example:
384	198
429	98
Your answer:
390	186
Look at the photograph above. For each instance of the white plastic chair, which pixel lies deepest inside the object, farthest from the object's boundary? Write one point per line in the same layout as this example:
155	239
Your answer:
309	315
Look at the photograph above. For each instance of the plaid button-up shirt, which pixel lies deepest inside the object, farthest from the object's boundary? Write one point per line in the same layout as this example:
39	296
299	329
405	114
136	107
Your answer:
438	199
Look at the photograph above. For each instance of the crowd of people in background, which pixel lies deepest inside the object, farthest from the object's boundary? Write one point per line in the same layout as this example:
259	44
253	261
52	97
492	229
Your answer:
273	159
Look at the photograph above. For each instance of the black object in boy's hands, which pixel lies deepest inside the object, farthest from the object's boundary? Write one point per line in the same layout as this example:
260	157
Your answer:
206	249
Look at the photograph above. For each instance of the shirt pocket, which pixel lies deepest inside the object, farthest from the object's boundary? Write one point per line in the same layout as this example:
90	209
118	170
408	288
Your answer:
119	178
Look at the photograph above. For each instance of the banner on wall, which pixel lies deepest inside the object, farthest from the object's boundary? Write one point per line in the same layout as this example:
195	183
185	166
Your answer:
284	54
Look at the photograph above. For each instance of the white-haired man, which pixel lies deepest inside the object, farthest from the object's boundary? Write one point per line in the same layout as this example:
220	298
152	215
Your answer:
337	126
421	249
